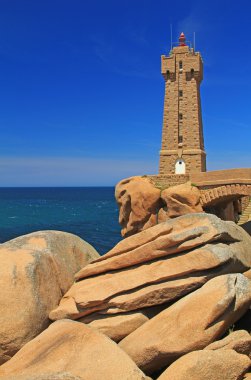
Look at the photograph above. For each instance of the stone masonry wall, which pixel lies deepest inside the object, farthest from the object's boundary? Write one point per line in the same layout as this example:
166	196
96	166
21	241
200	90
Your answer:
165	181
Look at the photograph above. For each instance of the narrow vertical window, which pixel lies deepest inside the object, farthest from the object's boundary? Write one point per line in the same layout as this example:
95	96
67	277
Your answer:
180	93
180	116
180	65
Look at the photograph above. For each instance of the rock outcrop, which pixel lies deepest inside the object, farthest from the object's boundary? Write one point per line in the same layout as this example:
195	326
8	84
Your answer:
189	324
208	365
180	200
139	202
165	295
74	348
156	266
143	205
35	272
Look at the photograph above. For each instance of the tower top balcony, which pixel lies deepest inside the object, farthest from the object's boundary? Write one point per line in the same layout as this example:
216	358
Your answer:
182	46
182	52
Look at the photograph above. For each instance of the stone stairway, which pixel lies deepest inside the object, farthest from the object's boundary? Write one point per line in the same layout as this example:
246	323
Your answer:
246	215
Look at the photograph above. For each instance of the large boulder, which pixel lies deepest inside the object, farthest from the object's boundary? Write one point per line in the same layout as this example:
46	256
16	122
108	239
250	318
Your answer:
239	340
36	271
139	202
189	324
181	200
156	266
75	348
208	365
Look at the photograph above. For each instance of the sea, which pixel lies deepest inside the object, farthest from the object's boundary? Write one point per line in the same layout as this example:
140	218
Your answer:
89	212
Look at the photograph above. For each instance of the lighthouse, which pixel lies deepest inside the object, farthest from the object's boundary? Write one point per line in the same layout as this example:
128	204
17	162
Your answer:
182	148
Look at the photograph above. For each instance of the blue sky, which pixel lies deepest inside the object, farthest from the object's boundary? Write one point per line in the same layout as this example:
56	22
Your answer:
81	94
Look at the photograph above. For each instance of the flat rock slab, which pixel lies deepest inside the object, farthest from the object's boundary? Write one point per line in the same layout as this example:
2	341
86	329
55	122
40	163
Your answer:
171	237
74	348
118	326
157	266
189	324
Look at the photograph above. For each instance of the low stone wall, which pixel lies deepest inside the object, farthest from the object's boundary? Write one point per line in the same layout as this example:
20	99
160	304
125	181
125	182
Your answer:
221	194
168	180
221	177
204	180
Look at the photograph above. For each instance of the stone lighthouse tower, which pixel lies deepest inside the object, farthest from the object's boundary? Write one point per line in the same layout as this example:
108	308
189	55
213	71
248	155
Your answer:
182	150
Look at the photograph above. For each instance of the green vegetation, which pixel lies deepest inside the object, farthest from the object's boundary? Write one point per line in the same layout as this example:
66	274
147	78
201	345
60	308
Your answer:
231	329
160	186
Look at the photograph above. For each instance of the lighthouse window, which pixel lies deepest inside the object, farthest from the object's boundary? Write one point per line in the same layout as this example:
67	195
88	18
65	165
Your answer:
192	73
168	74
180	116
180	93
180	65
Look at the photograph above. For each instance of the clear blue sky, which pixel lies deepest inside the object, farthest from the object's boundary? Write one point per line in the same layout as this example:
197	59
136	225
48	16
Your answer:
81	94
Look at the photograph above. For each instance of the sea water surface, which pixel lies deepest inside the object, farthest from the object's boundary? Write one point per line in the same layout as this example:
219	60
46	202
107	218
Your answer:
89	212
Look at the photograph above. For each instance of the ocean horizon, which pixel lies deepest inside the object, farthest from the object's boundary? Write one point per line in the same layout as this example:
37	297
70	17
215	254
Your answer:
89	212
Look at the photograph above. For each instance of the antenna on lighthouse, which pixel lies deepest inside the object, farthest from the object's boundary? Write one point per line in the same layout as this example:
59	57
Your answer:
171	32
194	41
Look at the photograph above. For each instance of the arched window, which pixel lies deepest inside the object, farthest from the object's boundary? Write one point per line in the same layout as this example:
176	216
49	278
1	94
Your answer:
180	65
168	74
180	166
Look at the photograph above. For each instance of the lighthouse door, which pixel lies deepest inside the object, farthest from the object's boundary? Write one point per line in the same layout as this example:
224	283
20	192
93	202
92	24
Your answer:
180	166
